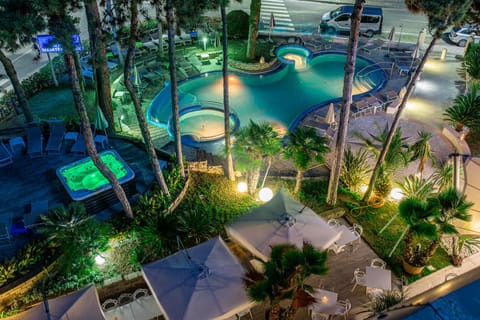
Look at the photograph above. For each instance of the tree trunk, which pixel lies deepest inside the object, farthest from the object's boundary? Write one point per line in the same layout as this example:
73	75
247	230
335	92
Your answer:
226	101
174	88
267	170
99	62
252	180
88	136
275	311
158	16
393	127
346	102
17	87
430	251
152	155
408	255
253	28
298	181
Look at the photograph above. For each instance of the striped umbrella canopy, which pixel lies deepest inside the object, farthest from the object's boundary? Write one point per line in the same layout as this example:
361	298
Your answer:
101	122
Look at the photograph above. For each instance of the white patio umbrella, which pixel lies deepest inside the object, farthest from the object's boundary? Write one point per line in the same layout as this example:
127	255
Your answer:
202	282
281	220
136	77
330	117
391	35
81	304
101	122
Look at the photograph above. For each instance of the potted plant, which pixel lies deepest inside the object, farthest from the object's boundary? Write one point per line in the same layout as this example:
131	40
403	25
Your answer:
282	284
428	220
461	246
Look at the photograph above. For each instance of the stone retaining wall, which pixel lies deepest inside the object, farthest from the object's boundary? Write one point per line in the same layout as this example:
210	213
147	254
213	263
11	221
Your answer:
253	67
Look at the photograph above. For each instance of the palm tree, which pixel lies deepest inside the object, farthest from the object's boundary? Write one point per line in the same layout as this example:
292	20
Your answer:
421	150
417	215
174	85
226	103
62	223
284	278
254	20
416	187
152	154
346	102
252	143
465	109
306	148
20	21
99	61
62	25
441	14
78	235
397	156
442	178
355	168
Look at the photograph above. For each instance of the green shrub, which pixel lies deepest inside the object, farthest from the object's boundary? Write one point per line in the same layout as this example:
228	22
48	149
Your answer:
472	61
237	24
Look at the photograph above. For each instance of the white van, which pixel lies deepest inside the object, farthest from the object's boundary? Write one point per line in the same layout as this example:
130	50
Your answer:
338	20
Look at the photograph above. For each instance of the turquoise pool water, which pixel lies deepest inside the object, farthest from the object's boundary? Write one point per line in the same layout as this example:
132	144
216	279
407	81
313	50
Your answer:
281	97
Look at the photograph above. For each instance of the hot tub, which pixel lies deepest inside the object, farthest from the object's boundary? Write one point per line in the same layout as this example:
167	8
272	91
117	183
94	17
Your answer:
84	182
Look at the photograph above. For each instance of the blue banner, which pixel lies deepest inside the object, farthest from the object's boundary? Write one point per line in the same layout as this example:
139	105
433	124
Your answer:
48	44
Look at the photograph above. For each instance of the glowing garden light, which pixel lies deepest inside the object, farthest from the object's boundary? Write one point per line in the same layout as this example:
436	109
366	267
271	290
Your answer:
99	260
396	194
265	194
242	187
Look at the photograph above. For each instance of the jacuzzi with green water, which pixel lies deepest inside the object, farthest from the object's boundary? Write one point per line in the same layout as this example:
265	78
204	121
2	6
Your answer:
82	180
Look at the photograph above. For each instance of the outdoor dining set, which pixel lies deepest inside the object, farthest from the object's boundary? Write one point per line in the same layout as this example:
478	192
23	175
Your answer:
374	278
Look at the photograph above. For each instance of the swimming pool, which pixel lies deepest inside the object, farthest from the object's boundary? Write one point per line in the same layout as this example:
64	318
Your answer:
281	97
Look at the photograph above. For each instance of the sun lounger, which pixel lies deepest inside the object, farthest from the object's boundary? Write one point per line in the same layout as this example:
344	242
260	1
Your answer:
371	46
34	141
55	141
79	145
5	156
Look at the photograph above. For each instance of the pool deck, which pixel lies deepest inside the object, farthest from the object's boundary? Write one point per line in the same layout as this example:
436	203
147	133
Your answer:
29	180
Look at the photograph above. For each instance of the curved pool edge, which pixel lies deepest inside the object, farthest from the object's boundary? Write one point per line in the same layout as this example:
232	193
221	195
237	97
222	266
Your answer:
294	123
324	104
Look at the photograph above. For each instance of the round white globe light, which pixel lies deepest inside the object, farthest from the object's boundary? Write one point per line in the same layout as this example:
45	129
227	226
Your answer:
265	194
99	260
242	187
396	194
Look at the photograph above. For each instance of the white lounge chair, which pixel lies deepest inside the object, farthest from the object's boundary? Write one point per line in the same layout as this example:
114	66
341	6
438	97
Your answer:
5	155
34	140
57	132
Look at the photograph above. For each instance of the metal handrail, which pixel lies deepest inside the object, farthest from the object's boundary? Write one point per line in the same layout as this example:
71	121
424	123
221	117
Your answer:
361	74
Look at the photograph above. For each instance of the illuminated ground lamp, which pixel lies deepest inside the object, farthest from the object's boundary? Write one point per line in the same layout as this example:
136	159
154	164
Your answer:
396	194
204	43
99	260
265	194
242	187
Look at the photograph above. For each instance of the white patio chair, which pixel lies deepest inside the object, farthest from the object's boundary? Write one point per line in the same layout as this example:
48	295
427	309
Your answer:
335	248
343	307
243	313
315	315
358	278
357	230
333	223
378	263
125	298
139	293
109	304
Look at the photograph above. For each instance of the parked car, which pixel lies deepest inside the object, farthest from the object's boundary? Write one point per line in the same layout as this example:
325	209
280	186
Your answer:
339	20
460	35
